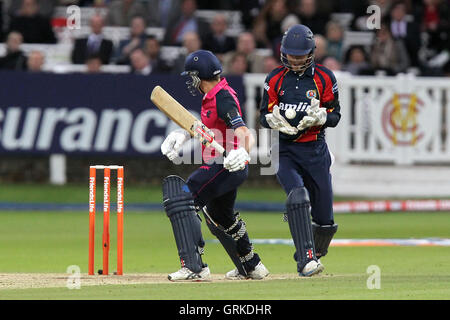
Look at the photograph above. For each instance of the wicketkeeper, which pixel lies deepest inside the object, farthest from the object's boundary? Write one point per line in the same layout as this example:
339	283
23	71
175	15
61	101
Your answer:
301	100
211	188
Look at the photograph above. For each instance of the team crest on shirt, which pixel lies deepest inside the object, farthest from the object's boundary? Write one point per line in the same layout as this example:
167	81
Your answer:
311	94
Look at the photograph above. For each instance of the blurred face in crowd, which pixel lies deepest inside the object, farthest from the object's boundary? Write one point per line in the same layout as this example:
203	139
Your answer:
153	48
137	26
278	9
97	24
219	24
321	46
398	12
29	8
191	42
35	61
139	60
14	41
307	7
246	43
188	7
332	64
357	56
270	63
334	32
239	64
94	65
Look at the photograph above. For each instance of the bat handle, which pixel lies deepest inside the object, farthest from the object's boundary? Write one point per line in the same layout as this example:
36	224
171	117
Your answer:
219	148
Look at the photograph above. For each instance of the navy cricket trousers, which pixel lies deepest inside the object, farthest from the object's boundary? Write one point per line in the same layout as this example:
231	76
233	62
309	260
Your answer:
216	188
308	164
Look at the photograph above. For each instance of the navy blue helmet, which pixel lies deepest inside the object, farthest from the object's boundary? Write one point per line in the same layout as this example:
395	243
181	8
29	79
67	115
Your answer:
297	41
201	65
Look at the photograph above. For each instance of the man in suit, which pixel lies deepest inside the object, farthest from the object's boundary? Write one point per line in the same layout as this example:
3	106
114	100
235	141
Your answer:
94	44
406	31
14	59
217	41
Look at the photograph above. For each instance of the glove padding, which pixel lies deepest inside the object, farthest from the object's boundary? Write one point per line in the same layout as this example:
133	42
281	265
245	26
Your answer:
278	122
236	160
173	143
316	116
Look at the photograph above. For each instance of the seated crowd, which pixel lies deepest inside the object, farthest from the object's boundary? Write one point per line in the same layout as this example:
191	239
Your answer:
412	35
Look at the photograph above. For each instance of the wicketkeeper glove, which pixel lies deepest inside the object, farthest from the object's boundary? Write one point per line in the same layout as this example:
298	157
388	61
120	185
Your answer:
278	122
316	116
173	143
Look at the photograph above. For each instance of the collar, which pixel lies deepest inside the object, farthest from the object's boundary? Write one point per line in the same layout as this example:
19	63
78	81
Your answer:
211	94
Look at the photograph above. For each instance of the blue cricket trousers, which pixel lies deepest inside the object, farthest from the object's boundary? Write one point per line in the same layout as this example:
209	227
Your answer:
308	164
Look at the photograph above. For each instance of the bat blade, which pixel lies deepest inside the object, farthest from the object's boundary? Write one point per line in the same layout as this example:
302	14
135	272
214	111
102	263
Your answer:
178	114
173	109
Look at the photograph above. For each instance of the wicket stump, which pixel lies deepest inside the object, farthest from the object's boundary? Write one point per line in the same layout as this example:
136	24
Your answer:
106	217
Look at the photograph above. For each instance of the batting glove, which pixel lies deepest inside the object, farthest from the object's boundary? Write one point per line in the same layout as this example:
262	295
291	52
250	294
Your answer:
236	160
173	143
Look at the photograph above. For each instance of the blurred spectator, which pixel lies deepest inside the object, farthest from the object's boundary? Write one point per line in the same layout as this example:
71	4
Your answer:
320	52
94	64
35	61
332	63
45	7
406	31
289	21
270	63
122	12
238	65
267	26
191	43
34	27
357	62
163	12
94	44
335	37
308	15
136	40
250	9
388	54
217	41
187	22
246	45
153	51
436	25
140	63
14	58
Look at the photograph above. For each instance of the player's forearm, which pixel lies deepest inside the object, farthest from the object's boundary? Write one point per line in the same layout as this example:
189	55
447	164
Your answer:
246	139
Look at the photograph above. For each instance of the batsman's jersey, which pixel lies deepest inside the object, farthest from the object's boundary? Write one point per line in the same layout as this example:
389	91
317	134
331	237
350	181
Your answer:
288	90
221	111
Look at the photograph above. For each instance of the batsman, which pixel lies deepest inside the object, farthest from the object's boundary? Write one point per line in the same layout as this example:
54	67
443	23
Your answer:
212	188
300	100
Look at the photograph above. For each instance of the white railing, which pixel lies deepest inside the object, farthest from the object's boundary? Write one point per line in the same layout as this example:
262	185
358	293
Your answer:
390	120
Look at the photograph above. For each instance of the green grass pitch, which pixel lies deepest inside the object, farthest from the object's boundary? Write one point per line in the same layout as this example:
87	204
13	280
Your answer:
48	242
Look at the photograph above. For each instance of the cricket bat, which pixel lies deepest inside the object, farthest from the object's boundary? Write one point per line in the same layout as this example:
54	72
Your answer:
182	117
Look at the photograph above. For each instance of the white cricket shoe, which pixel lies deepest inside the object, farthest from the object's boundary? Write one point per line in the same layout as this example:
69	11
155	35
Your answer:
313	267
259	273
184	274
